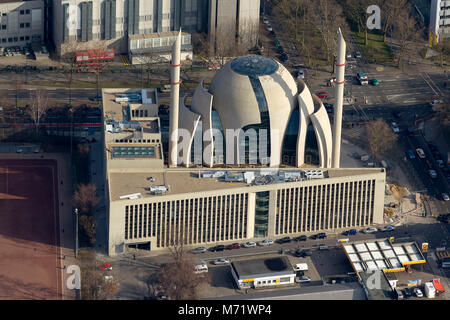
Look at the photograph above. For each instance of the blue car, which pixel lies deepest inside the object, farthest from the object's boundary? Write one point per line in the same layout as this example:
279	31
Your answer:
351	232
411	154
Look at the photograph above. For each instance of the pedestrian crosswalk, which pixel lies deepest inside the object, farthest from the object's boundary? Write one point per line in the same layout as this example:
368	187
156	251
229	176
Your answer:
125	60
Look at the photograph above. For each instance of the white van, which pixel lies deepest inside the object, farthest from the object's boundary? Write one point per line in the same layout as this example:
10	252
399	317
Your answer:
301	267
201	268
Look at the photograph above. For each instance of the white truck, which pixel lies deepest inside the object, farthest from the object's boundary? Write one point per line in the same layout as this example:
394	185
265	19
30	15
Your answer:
430	291
362	78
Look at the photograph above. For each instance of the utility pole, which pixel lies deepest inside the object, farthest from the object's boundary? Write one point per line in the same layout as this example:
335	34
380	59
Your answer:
76	233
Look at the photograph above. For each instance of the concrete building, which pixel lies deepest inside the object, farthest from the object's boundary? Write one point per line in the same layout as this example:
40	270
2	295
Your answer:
261	273
272	101
439	20
155	204
110	23
153	207
22	22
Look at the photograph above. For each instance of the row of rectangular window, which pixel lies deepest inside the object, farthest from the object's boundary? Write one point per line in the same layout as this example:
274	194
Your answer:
15	39
157	211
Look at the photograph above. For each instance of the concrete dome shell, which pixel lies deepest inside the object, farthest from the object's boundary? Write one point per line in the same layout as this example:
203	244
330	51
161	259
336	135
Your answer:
237	84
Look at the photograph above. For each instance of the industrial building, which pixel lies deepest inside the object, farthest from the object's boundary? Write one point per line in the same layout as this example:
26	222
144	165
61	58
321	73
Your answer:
111	23
22	22
156	201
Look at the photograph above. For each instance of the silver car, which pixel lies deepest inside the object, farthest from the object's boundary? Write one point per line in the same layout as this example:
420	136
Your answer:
249	244
370	230
388	228
221	261
266	242
199	250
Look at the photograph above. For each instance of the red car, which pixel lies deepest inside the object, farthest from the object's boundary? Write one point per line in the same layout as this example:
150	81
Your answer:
321	95
105	267
233	246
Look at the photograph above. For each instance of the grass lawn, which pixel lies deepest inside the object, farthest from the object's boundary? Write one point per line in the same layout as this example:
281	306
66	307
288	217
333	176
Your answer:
375	49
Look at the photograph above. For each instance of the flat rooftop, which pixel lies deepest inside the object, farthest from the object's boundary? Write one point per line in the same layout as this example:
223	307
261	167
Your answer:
381	254
188	181
262	267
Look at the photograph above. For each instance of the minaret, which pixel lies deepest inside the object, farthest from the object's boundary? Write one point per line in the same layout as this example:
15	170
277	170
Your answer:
340	80
174	101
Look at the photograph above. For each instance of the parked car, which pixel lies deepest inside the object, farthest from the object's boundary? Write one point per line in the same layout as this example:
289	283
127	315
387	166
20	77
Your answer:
303	279
249	244
221	261
434	102
432	173
357	55
398	295
445	197
265	20
269	27
199	250
220	247
322	95
408	293
105	267
396	114
350	232
418	293
395	127
299	253
388	228
266	242
233	246
284	240
301	238
374	82
370	230
444	218
301	74
420	153
321	235
411	154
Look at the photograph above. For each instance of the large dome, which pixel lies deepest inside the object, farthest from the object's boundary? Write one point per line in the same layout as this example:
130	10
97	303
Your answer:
247	86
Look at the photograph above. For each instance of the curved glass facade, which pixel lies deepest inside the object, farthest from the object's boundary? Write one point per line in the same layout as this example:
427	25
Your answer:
290	142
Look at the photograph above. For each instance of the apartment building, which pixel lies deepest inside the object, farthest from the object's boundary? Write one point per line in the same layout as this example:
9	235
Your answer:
439	20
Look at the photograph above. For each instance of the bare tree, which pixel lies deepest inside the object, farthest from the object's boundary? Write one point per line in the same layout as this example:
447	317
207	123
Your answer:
39	105
356	11
381	137
179	281
390	10
89	224
177	278
327	15
96	284
405	32
85	197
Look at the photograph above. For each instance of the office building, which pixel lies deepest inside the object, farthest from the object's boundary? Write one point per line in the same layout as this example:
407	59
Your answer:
109	23
22	22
